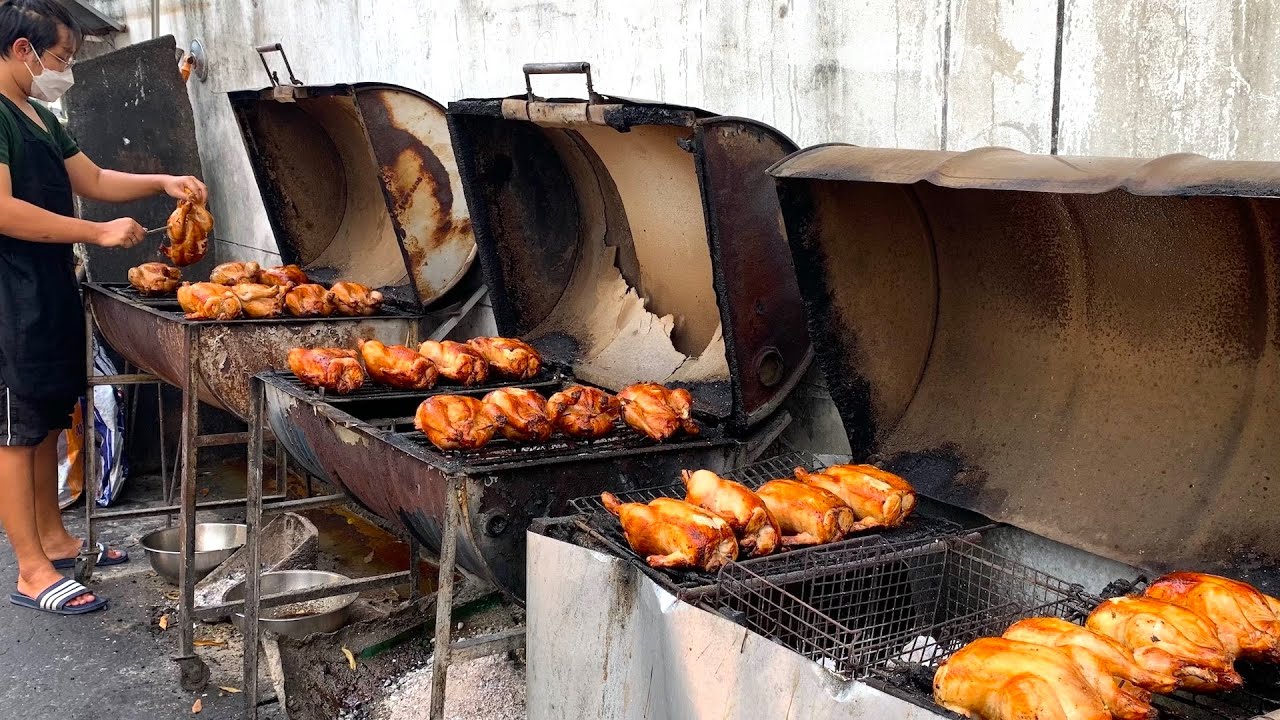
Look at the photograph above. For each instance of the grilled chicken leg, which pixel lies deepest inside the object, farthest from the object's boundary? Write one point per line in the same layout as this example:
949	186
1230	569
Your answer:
207	301
456	361
397	366
306	300
457	422
1168	640
1246	624
154	279
526	414
745	512
509	357
334	369
354	300
656	411
672	533
806	515
1000	679
259	301
878	497
235	273
583	412
189	227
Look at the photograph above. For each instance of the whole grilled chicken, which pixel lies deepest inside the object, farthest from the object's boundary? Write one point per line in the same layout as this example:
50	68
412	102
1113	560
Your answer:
260	301
307	300
656	411
754	526
1246	623
208	301
1000	679
189	227
1168	640
583	412
806	515
397	366
355	300
334	369
235	273
671	533
526	414
1124	686
457	422
457	362
879	498
287	275
509	357
154	279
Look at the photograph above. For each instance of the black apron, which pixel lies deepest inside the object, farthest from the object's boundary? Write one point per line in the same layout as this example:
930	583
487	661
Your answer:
42	338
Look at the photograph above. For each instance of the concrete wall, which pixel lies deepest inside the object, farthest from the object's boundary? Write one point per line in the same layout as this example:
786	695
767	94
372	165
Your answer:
1130	77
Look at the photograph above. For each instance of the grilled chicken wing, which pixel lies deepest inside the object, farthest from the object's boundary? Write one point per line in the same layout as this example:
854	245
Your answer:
671	533
1168	640
189	227
235	273
526	414
457	422
355	300
806	515
287	275
509	357
745	512
154	279
656	411
397	366
999	679
457	361
583	412
334	369
207	301
1243	617
259	301
307	300
877	497
1124	686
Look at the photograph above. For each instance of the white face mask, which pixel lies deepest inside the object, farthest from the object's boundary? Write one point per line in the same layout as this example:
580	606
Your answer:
50	85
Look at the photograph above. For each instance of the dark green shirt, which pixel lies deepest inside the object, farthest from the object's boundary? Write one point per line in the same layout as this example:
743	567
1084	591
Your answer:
11	136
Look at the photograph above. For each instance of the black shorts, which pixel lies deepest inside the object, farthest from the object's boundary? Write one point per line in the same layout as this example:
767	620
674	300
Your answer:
26	423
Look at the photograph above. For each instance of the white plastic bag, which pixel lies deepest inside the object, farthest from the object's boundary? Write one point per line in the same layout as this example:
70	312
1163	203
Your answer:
108	420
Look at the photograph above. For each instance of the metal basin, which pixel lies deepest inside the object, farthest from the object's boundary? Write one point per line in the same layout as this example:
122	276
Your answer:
299	620
215	542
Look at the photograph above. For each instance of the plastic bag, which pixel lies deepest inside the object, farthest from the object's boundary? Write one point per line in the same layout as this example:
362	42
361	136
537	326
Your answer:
109	422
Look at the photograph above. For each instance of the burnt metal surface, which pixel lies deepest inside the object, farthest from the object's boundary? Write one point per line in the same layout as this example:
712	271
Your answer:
1086	348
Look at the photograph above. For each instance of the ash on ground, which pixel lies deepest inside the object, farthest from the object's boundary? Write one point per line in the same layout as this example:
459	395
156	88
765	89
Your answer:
487	688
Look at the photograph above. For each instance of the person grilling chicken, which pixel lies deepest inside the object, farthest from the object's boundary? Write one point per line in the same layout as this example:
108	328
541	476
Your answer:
42	340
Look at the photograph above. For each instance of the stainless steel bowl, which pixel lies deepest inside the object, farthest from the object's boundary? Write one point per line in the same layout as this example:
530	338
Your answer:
215	542
299	620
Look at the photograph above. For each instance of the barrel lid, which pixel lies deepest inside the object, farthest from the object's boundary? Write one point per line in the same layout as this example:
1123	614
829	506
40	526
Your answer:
1088	348
360	183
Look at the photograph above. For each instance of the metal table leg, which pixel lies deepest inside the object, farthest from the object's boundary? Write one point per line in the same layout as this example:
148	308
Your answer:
253	521
86	560
194	673
444	599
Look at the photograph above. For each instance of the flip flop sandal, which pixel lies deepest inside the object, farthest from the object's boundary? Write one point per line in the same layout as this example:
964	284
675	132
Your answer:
56	598
103	559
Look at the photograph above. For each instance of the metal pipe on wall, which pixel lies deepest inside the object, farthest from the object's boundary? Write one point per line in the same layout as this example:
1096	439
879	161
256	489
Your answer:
155	19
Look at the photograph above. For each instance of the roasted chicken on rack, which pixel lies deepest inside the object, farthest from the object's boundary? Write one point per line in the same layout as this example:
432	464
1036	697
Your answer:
308	300
877	497
235	273
583	412
1245	619
287	275
509	357
154	279
456	361
657	411
397	366
671	533
354	300
189	227
1001	679
333	369
260	301
526	414
1168	640
457	422
208	301
754	526
806	515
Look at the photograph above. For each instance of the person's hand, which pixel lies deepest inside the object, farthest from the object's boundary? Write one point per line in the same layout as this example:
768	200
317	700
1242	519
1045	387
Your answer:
121	233
179	186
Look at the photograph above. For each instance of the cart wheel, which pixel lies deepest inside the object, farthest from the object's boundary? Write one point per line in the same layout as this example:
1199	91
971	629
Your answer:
84	568
193	674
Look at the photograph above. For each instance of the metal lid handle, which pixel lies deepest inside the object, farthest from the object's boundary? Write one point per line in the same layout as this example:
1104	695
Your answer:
560	68
275	77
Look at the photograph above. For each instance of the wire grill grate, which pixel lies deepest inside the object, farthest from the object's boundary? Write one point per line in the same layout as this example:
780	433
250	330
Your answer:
169	304
547	382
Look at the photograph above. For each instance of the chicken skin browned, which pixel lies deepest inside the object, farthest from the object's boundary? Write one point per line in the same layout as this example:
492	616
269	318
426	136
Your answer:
456	361
754	526
287	275
656	411
235	273
526	414
671	533
333	369
189	227
877	497
457	422
354	300
307	300
259	301
583	412
1000	679
509	357
207	301
1168	640
1243	617
154	279
806	515
397	366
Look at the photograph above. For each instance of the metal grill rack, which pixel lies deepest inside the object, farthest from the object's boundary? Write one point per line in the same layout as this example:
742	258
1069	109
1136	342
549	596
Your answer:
169	304
549	380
